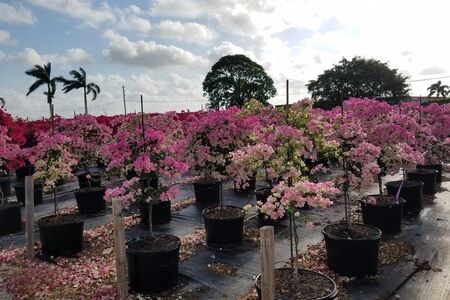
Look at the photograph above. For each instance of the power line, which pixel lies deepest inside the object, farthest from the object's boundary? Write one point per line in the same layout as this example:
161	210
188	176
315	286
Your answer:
426	79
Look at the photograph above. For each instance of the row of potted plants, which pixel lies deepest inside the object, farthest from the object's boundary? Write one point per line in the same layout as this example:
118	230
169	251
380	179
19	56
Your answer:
287	148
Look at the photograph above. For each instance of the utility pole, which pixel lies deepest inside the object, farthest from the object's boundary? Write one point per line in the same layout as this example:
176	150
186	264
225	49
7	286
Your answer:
124	103
287	93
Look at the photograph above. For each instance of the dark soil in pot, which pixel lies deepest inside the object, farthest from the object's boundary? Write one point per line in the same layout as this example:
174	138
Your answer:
437	167
83	182
26	170
5	186
427	176
207	192
224	226
384	213
352	249
153	263
306	285
19	188
61	235
90	200
411	191
10	218
161	213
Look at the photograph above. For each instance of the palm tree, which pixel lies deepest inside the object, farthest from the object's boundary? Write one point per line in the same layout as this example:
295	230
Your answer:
79	81
43	76
2	102
438	88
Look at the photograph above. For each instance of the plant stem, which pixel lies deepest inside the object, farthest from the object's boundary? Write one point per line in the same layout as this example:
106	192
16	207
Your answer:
380	186
150	223
2	196
296	247
221	194
291	242
55	201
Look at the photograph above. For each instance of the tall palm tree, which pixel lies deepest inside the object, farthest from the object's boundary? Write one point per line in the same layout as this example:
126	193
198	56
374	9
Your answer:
2	102
438	88
43	77
79	81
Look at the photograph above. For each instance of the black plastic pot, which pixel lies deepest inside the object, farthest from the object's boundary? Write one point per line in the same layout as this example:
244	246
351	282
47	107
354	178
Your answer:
10	218
161	213
330	296
152	272
437	167
250	188
427	176
387	218
262	194
411	191
26	170
207	192
19	188
83	182
90	200
5	186
154	179
352	257
61	237
224	233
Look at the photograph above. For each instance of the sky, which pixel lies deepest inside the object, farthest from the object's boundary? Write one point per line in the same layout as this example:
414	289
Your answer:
163	49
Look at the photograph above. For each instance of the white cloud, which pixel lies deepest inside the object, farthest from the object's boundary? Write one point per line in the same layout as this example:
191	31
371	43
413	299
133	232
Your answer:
185	32
5	37
434	70
79	9
228	48
16	14
134	23
30	56
147	54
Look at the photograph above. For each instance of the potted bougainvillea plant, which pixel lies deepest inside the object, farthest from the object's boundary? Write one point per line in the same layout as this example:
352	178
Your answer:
352	248
288	196
61	234
385	211
87	136
10	212
152	260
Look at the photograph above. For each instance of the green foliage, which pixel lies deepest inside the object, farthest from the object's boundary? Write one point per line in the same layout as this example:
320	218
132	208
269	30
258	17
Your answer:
360	78
236	79
43	77
79	81
439	89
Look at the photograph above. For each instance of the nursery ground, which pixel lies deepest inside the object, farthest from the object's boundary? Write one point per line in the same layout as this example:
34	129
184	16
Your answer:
199	278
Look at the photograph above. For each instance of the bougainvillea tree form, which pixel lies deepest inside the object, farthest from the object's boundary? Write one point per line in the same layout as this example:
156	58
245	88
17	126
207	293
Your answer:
53	161
87	137
212	137
145	159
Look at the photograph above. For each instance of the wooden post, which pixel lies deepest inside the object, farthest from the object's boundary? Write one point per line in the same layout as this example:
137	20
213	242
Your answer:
119	249
267	263
124	102
29	216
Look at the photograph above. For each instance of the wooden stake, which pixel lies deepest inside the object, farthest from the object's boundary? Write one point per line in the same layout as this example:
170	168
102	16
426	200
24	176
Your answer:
267	263
29	216
119	249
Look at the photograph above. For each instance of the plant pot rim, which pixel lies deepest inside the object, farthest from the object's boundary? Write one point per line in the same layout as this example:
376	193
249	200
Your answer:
37	184
423	171
5	178
137	251
207	181
331	295
218	206
263	188
80	220
412	183
90	189
401	201
12	204
373	238
431	164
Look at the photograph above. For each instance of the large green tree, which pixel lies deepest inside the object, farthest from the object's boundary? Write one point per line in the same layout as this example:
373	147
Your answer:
79	81
2	102
236	79
438	88
43	77
359	77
